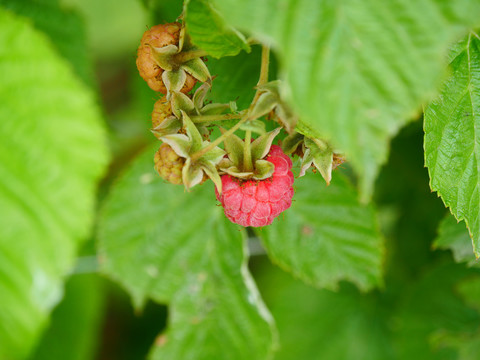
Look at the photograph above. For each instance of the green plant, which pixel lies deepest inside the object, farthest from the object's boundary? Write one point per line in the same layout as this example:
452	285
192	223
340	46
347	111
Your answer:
380	269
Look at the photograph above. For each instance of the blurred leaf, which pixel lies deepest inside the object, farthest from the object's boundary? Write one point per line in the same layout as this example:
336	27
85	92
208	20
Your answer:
52	153
210	32
323	325
64	27
454	236
451	137
161	242
114	28
431	308
358	70
75	323
327	236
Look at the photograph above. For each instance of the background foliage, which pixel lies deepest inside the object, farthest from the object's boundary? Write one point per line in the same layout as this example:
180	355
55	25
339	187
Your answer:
102	259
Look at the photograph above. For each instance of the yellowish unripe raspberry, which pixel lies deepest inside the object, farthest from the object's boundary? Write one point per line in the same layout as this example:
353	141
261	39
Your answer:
168	164
161	110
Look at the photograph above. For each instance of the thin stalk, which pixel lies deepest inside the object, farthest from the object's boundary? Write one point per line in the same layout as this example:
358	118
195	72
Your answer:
264	66
184	56
208	118
247	154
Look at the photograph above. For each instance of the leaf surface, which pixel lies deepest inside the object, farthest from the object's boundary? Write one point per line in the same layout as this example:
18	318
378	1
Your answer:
52	153
452	137
161	242
327	235
357	70
210	32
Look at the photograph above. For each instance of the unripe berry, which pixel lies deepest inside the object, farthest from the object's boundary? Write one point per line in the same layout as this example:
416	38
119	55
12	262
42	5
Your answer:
161	110
156	37
168	164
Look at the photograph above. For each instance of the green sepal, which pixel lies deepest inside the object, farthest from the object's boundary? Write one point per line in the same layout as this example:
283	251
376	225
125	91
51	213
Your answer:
286	118
181	102
265	104
193	133
274	87
215	155
182	37
292	142
215	109
174	80
237	173
200	95
169	126
180	143
261	146
321	155
263	169
234	148
257	126
192	174
198	69
283	113
163	56
212	173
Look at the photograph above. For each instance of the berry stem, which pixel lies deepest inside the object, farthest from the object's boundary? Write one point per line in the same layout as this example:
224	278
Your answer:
208	118
247	155
264	66
185	56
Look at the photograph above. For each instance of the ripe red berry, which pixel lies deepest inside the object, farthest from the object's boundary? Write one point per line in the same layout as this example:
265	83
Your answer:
257	202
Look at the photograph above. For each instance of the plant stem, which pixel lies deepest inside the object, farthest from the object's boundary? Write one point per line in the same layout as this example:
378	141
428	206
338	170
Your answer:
246	116
188	55
247	154
217	141
264	67
208	118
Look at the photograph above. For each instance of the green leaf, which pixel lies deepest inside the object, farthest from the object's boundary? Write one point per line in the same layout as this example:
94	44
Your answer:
64	27
76	321
433	308
452	150
318	324
52	153
212	316
209	31
358	70
162	243
327	236
454	236
235	78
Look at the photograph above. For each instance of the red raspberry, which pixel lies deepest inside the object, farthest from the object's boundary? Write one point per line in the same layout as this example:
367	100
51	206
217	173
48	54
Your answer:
257	202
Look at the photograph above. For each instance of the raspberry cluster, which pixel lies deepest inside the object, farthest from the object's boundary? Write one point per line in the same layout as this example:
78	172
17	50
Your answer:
253	178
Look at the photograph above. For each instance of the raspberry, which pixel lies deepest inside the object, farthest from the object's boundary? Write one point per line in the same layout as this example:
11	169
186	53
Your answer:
158	36
257	202
168	164
161	110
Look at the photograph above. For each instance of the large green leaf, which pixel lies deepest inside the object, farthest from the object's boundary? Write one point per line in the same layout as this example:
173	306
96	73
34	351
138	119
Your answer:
454	236
358	69
327	235
64	27
52	153
177	247
452	148
210	32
